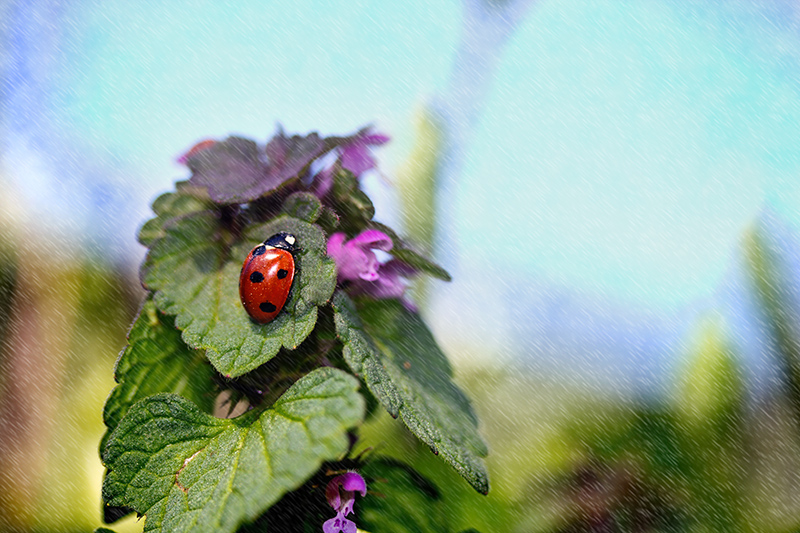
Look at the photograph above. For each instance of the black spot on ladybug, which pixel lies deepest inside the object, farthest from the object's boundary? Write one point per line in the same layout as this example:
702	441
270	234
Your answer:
259	250
282	273
267	307
256	277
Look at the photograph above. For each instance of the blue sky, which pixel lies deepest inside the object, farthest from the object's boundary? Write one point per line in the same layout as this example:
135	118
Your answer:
631	143
104	95
623	147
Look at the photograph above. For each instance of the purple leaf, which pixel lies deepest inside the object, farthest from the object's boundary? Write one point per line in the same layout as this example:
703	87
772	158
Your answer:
290	155
237	171
231	170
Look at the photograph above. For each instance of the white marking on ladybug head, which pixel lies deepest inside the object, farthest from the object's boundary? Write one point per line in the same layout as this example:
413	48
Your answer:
290	239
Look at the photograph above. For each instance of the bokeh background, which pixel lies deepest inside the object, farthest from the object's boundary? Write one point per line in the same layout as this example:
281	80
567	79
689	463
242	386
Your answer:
614	186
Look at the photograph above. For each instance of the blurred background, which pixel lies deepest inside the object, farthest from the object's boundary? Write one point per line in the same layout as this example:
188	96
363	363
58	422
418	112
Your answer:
614	186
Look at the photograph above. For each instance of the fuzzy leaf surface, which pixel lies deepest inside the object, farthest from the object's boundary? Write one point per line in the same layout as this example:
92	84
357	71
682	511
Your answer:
288	156
237	170
157	360
188	471
194	271
232	170
395	354
166	207
352	205
304	206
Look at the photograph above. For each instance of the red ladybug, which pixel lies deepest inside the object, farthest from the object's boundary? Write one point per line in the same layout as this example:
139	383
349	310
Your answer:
267	276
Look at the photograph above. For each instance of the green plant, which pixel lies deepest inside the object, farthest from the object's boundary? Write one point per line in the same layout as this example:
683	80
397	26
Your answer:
219	422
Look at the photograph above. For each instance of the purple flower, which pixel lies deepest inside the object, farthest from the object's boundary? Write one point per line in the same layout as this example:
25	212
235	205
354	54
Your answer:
357	263
355	259
323	181
356	154
341	495
388	283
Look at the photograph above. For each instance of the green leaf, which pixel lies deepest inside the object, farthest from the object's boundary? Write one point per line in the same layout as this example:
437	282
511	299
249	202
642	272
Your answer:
769	277
406	253
188	471
328	220
304	206
166	207
399	500
157	360
400	362
195	269
711	423
354	208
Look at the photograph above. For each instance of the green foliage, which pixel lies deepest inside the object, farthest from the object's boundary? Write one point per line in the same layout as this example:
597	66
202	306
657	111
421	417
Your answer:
416	184
417	179
711	425
354	207
195	268
400	500
395	354
304	206
166	207
677	466
169	459
156	360
771	288
188	471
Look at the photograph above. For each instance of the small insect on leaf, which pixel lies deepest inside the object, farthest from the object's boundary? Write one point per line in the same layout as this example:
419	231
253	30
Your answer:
267	276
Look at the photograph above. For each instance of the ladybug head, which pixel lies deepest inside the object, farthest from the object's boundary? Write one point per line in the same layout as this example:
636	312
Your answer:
284	241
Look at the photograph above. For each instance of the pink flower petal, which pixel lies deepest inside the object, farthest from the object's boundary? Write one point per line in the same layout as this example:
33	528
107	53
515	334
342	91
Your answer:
332	494
377	139
335	244
340	494
339	524
357	159
353	482
356	262
372	238
352	262
357	154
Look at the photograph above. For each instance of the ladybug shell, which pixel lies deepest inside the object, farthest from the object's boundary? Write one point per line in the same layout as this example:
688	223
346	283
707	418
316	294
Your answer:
265	281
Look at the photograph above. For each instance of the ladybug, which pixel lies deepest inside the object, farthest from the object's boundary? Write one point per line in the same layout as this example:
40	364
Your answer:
266	277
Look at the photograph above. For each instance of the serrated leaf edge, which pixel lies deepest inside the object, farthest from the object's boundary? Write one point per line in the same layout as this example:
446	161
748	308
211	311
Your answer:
387	393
